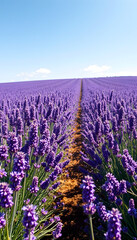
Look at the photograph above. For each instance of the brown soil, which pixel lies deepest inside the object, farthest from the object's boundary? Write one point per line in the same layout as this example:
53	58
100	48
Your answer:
73	216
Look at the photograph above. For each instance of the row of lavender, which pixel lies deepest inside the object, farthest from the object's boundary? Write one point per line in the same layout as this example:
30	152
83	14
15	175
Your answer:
109	130
36	121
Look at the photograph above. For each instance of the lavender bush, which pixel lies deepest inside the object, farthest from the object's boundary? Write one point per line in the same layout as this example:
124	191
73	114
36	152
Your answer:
109	125
35	122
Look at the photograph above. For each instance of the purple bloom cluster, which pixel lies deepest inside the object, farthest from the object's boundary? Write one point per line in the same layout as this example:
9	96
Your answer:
33	135
128	163
132	211
3	173
15	179
102	212
19	164
2	220
34	186
12	143
29	221
43	147
114	225
6	199
57	231
3	152
88	190
113	187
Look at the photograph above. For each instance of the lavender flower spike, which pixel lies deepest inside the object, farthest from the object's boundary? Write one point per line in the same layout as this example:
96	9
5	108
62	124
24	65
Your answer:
88	187
34	186
29	221
114	225
2	220
5	195
57	232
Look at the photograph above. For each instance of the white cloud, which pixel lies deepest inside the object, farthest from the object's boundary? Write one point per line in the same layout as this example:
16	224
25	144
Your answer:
38	74
97	69
43	70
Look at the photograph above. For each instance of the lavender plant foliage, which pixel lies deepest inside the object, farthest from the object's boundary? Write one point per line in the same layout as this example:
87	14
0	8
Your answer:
36	119
109	126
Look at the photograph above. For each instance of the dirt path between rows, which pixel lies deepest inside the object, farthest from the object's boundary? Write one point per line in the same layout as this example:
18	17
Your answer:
73	217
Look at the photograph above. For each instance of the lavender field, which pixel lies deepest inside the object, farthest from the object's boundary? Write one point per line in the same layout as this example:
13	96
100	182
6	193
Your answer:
37	129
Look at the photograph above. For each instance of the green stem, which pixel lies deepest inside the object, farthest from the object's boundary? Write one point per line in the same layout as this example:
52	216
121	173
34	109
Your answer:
24	188
31	154
14	212
7	230
91	227
134	223
132	193
29	236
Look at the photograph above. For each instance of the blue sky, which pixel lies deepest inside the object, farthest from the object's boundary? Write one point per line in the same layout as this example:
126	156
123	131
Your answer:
53	39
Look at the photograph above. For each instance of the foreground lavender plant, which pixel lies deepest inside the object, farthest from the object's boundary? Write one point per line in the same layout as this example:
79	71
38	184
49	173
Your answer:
88	190
29	221
114	225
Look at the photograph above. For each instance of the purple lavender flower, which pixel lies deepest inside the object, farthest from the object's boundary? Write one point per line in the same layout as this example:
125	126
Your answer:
50	158
105	152
55	185
5	130
56	130
55	173
110	140
102	212
32	112
26	115
49	111
44	184
43	147
119	202
132	211
29	220
5	195
58	158
57	231
19	142
3	152
16	179
98	127
115	148
89	208
12	143
114	124
19	125
57	218
2	220
88	190
134	133
123	187
44	200
111	186
106	127
19	164
44	212
114	225
34	186
33	135
52	139
132	122
3	173
43	127
121	115
128	163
